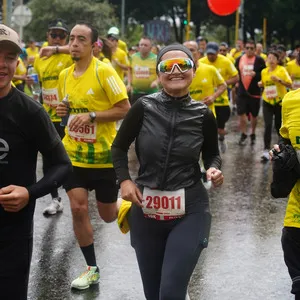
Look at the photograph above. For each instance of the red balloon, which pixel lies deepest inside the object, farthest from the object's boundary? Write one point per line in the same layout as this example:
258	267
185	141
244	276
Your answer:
223	7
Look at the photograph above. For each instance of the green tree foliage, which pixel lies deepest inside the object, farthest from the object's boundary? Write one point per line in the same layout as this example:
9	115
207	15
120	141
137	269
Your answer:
100	14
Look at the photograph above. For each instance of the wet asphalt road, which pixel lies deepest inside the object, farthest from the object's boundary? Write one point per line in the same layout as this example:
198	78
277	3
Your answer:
243	260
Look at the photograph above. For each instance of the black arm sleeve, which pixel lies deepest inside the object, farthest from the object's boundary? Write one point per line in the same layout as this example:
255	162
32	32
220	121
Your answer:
210	150
127	133
56	175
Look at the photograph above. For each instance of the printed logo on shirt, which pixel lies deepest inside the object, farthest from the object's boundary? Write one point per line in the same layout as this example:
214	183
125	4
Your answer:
114	85
4	149
60	64
90	92
204	80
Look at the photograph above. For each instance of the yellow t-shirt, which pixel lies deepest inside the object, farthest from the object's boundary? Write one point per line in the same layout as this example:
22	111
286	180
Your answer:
120	56
290	129
98	89
235	53
123	46
102	58
227	70
206	80
228	55
32	54
48	70
21	70
294	71
274	91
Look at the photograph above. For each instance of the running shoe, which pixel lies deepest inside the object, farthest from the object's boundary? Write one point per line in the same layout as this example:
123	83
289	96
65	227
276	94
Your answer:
87	278
253	138
265	155
233	110
222	145
243	139
54	207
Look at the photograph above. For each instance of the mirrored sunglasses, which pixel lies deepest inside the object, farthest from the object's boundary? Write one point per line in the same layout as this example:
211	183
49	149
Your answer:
183	64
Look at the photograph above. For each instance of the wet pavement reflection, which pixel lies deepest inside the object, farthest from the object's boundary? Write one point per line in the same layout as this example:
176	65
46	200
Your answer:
243	260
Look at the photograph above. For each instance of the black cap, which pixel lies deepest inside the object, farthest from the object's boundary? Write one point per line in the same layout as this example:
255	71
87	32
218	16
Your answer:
212	48
58	24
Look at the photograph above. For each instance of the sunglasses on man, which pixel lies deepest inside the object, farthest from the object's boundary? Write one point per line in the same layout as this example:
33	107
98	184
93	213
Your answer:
61	36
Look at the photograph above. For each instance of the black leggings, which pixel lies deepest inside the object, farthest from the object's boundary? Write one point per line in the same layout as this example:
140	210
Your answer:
15	258
61	132
269	111
168	251
290	241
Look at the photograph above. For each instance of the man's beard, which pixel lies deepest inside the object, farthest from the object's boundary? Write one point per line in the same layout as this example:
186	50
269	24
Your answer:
76	58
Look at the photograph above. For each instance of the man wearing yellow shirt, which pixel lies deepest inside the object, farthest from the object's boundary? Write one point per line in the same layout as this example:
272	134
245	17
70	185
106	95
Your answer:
48	70
293	68
97	98
119	58
259	51
207	84
275	80
20	75
121	44
236	53
32	52
238	50
223	49
230	75
290	239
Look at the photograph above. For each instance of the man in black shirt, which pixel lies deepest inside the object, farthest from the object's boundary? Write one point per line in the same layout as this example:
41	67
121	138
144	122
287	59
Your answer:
25	130
249	66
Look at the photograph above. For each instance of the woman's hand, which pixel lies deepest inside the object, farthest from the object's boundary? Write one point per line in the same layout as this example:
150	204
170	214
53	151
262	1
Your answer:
130	192
215	176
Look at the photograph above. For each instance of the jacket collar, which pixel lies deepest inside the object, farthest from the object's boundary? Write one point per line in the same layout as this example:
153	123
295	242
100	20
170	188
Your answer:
181	101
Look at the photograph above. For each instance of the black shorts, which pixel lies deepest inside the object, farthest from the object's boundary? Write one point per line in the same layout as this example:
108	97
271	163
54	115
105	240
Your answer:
247	104
103	181
223	114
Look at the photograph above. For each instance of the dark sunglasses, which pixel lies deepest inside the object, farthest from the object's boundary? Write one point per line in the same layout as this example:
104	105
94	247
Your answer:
249	48
61	36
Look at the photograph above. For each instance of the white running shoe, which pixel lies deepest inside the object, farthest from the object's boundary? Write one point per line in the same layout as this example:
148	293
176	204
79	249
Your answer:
54	207
265	155
87	278
223	146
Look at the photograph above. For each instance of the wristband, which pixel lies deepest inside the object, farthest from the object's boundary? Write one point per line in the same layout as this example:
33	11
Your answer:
56	50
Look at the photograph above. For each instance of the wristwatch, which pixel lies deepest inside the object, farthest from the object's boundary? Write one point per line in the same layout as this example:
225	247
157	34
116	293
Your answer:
92	116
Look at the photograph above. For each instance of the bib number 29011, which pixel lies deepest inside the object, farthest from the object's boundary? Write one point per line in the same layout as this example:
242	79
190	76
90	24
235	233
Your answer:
163	205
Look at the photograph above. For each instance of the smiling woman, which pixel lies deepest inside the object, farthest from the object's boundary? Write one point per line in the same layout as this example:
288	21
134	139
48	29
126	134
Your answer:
169	218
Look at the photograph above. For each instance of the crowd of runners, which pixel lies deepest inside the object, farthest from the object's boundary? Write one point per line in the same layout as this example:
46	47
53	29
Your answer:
173	102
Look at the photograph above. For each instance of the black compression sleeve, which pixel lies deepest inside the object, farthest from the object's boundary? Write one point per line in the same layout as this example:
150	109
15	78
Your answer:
127	133
210	150
60	168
